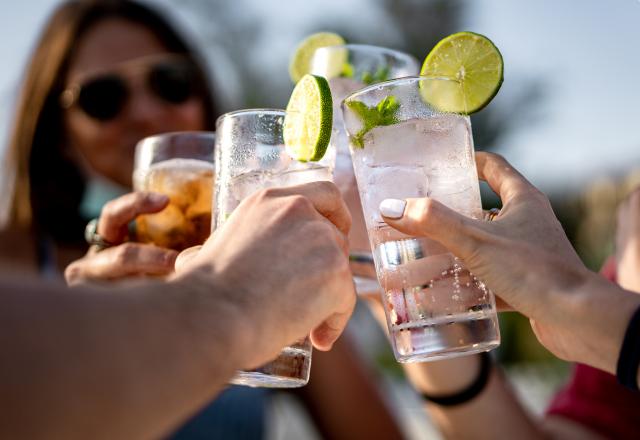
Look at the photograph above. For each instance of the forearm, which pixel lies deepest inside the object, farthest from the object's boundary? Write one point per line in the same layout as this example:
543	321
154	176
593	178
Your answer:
476	418
118	364
494	413
598	313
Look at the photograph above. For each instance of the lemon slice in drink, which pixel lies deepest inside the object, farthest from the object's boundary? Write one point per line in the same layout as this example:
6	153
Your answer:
474	66
300	63
308	121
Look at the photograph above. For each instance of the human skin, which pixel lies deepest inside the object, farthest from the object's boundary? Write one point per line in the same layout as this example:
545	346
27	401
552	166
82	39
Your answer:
136	360
106	148
628	243
525	257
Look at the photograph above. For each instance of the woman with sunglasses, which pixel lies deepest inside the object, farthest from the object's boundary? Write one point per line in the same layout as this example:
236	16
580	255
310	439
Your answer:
104	75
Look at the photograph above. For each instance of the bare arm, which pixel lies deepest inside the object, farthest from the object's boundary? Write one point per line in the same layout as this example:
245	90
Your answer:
527	260
98	364
133	361
477	418
495	413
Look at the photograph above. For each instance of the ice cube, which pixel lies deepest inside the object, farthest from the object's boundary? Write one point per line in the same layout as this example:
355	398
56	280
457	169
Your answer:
202	202
244	185
447	142
439	143
398	144
179	179
159	228
398	182
461	194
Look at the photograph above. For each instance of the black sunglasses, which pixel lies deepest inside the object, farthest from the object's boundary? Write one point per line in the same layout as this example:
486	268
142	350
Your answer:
103	97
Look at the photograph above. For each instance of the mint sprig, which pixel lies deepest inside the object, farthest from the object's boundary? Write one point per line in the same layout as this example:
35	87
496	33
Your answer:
382	74
384	113
367	78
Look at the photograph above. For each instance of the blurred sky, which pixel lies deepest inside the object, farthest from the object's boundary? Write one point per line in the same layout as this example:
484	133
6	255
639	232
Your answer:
585	53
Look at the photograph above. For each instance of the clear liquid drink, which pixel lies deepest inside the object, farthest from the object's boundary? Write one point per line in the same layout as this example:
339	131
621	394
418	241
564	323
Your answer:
250	156
349	68
435	307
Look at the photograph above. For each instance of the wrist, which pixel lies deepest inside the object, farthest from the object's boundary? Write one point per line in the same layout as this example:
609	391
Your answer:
470	391
443	377
597	317
220	327
628	268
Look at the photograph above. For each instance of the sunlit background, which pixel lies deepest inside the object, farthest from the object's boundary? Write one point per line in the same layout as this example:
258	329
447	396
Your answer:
566	114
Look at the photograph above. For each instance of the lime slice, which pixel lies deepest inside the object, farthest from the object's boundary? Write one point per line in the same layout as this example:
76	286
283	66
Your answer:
474	64
300	63
307	124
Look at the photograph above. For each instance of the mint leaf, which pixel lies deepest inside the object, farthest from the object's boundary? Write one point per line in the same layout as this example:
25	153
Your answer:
388	107
367	78
380	75
384	113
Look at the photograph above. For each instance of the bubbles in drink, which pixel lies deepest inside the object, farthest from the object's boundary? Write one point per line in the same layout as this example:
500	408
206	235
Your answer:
186	221
243	185
435	307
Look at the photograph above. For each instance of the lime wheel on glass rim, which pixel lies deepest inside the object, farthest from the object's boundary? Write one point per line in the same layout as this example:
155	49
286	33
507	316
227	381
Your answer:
474	68
308	120
300	63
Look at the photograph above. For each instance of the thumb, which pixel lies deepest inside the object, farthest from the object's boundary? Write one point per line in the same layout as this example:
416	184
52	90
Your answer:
185	257
429	218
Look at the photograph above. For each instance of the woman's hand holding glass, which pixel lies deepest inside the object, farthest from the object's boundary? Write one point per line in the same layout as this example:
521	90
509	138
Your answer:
123	258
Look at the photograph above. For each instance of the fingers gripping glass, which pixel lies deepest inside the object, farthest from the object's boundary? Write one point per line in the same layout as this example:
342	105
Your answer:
104	96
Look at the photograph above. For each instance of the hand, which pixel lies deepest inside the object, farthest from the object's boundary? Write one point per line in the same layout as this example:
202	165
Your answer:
628	243
125	259
280	261
523	255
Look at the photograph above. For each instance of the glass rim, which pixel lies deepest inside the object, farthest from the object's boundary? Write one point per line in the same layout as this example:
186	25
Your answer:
396	81
147	147
364	48
169	134
251	111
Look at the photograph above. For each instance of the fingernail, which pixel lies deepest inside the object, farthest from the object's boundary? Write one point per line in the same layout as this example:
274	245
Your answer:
157	198
393	208
170	258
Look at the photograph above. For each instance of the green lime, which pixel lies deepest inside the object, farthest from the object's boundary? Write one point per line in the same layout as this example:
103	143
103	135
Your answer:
300	63
309	117
473	63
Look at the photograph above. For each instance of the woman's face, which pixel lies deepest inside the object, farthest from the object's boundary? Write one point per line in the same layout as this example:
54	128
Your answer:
118	48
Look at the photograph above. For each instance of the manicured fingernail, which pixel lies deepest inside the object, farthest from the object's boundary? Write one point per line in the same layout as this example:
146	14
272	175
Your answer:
393	208
157	198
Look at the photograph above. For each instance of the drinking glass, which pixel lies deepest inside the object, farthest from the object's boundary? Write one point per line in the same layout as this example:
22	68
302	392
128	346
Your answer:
435	308
180	165
348	68
250	156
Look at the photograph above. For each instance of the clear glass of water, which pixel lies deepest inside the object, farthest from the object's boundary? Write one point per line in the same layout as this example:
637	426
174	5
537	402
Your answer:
435	308
250	156
349	68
